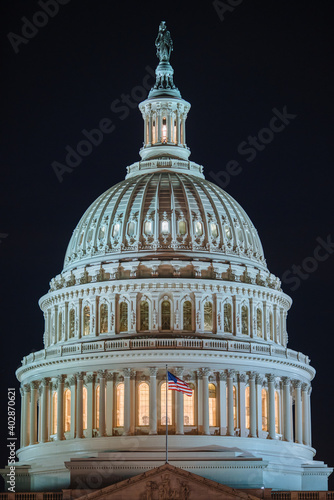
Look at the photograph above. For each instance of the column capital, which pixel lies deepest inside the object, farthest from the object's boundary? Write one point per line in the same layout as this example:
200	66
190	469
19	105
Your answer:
179	371
296	384
79	376
259	379
45	381
205	372
60	379
110	376
26	388
133	374
242	378
305	387
230	373
34	384
22	391
222	376
89	378
126	372
72	379
252	375
270	377
101	374
153	371
286	380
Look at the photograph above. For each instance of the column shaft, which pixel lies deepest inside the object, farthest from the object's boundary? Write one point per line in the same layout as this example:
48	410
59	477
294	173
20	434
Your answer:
44	412
109	404
153	401
33	412
222	404
79	433
298	414
252	406
286	409
230	415
271	395
102	409
127	399
206	421
60	408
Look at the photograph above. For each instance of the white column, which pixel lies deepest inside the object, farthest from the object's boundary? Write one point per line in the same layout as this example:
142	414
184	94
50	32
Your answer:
259	384
222	404
179	406
60	407
33	412
169	129
298	412
153	400
305	414
264	321
44	410
286	409
102	408
242	404
150	128
109	404
309	416
252	404
230	415
79	412
89	379
66	321
252	331
220	312
275	322
200	402
127	401
178	138
159	125
205	386
26	416
133	412
183	129
72	381
271	406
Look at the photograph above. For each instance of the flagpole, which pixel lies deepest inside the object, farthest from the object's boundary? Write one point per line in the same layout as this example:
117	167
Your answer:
166	415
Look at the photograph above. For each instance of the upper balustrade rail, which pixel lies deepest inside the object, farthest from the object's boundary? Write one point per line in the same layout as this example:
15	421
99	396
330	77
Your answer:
135	344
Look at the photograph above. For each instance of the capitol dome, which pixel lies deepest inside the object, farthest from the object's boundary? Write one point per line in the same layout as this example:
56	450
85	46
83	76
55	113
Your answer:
166	268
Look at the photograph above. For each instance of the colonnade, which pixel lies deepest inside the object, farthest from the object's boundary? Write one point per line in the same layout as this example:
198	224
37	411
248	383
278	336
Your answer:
226	403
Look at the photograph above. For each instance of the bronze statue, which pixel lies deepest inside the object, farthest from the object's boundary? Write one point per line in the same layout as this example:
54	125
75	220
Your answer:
164	43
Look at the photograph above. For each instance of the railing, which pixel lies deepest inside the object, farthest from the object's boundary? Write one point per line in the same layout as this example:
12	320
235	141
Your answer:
31	496
302	495
177	343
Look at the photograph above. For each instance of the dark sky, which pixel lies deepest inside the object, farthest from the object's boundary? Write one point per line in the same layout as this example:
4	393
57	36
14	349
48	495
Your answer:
234	71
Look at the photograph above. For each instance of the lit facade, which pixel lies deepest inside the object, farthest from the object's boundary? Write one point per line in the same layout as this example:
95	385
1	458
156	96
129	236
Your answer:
166	267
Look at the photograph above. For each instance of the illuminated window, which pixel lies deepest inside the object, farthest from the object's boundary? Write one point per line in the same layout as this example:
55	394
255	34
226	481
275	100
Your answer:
153	132
116	229
164	129
165	315
123	317
187	314
277	420
244	320
131	228
102	232
247	402
72	323
60	326
67	408
165	227
120	405
90	235
212	405
144	316
259	322
235	412
97	407
271	328
227	318
86	320
228	232
54	412
175	134
84	407
189	407
214	230
103	318
182	227
198	228
208	319
148	227
163	405
143	404
264	410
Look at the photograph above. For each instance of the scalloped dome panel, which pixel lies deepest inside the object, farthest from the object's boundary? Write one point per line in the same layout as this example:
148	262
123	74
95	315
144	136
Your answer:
164	213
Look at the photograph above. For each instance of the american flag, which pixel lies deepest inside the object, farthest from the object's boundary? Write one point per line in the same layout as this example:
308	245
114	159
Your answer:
176	384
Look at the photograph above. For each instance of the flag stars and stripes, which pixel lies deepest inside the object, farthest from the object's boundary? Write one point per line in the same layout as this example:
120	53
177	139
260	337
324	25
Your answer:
176	384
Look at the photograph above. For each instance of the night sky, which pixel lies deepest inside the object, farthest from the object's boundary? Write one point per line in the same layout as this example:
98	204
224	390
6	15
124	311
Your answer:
238	69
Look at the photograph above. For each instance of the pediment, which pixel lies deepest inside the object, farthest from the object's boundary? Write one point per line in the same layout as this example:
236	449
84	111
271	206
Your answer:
167	482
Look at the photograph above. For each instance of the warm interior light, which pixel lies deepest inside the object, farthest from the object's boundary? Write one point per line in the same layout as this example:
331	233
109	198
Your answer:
164	129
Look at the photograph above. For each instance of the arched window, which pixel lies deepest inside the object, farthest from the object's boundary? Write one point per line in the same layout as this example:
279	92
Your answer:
165	315
198	228
163	405
189	407
54	412
182	227
187	314
165	227
143	404
277	419
84	407
264	410
212	405
271	328
103	318
144	316
60	326
259	322
208	319
97	407
244	320
247	407
235	409
120	405
153	132
214	230
164	129
227	318
72	324
86	320
148	227
123	317
116	229
67	408
131	228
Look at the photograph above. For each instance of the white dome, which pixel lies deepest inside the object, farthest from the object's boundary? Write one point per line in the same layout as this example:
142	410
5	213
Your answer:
164	213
